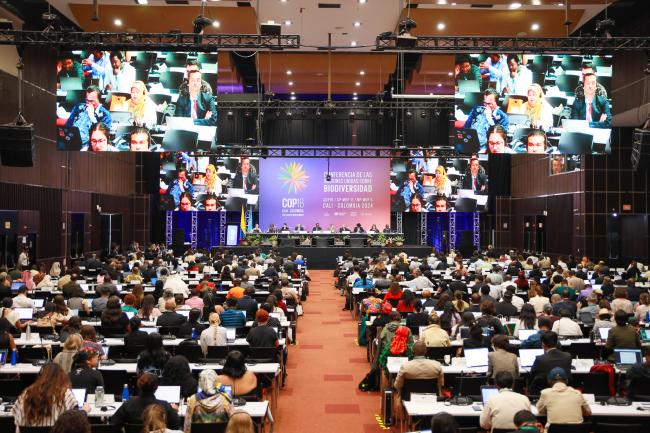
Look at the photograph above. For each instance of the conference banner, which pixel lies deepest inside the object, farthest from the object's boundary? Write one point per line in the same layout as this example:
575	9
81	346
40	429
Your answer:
307	191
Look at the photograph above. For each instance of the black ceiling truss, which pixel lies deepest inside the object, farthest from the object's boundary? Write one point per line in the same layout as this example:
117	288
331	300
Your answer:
440	102
405	152
148	41
484	44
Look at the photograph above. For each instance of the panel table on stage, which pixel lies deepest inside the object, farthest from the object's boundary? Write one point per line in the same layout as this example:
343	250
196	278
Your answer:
323	238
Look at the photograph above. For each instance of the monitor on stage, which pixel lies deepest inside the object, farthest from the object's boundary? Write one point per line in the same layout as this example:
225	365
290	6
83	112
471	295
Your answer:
339	192
429	183
138	101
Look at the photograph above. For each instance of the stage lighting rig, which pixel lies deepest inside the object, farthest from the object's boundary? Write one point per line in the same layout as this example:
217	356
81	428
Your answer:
405	39
604	28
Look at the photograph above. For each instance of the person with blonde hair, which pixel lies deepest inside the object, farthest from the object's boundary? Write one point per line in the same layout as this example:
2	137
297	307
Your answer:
71	346
441	182
212	182
210	405
214	335
141	107
55	270
240	422
539	112
155	420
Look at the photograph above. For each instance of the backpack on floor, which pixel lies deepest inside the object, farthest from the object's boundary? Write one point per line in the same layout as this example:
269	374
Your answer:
370	383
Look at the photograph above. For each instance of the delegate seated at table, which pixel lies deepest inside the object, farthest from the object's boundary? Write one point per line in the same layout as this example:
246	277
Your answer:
592	108
196	104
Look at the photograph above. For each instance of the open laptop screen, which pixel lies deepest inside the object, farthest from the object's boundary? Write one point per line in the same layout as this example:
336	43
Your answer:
527	356
170	394
627	356
476	357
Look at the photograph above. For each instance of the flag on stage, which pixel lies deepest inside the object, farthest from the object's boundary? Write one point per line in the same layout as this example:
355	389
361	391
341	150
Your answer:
242	223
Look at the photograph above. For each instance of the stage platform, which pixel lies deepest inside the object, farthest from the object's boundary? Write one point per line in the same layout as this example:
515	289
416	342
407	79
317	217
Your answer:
325	258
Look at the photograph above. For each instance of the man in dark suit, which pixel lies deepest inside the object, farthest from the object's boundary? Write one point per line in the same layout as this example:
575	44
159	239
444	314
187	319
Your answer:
592	108
246	177
135	337
247	303
197	104
476	179
170	317
552	357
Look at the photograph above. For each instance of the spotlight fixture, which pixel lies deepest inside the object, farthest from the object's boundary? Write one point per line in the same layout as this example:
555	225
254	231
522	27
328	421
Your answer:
441	26
514	5
604	28
353	43
293	98
362	1
117	22
355	98
216	24
409	114
352	114
534	27
358	83
291	83
362	72
288	22
289	72
356	24
230	113
201	21
423	114
142	2
405	39
406	25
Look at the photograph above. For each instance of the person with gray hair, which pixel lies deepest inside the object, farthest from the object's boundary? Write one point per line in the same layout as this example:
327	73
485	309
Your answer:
211	404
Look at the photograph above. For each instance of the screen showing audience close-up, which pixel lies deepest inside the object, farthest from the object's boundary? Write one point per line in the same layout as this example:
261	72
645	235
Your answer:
137	101
208	183
426	183
521	103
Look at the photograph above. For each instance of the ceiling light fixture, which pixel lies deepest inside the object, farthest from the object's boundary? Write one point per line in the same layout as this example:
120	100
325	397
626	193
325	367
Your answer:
442	2
536	2
441	26
358	83
353	43
293	93
287	22
362	1
354	98
291	83
362	72
514	5
289	72
141	2
293	98
355	94
439	84
450	74
216	24
357	24
534	27
117	22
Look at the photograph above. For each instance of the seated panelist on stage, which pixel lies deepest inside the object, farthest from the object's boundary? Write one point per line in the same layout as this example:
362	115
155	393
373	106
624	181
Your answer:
299	228
272	229
331	228
317	228
373	229
197	104
358	229
285	228
387	229
257	229
441	204
476	179
344	228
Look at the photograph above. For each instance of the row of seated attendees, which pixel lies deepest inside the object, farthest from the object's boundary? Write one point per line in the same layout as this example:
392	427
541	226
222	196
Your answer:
133	300
441	310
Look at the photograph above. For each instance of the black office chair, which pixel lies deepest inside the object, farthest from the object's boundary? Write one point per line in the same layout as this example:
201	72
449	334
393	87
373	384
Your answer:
171	80
605	427
472	99
422	386
575	143
206	58
638	390
438	353
211	79
219	427
571	63
105	428
469	385
597	384
556	101
567	83
217	352
570	428
11	388
32	354
114	381
465	204
263	354
190	350
177	140
35	429
467	429
133	428
176	60
131	351
160	98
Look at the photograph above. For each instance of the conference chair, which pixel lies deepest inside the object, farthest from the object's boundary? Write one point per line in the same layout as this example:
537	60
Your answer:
556	101
104	428
32	354
171	80
517	119
472	99
219	427
465	204
263	354
131	351
597	384
467	429
190	350
567	83
206	58
178	140
418	386
605	427
160	98
211	79
438	353
133	428
144	60
11	388
469	385
639	390
114	381
176	60
570	428
571	63
217	352
35	429
575	143
583	350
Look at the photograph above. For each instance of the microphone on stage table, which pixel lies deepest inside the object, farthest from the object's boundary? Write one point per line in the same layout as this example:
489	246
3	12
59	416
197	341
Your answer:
459	400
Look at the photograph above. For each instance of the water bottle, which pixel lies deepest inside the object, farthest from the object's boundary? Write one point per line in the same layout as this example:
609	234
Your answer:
14	357
99	396
125	393
647	318
193	333
28	333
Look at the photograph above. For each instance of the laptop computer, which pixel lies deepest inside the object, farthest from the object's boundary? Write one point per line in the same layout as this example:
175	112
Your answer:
71	83
80	396
604	333
488	392
525	334
627	357
25	313
528	356
575	125
465	140
469	86
38	303
16	285
231	335
170	394
149	330
68	138
476	358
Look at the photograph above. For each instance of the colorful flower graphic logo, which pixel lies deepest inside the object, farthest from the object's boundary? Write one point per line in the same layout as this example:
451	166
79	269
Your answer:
294	177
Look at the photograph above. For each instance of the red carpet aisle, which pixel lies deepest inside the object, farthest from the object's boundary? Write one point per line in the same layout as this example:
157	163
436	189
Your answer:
324	370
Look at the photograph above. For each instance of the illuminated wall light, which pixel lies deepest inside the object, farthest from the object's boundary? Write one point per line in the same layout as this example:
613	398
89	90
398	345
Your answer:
291	83
362	72
451	74
358	83
534	27
293	98
117	22
216	24
353	43
514	5
289	72
357	24
439	84
441	26
362	1
287	22
442	2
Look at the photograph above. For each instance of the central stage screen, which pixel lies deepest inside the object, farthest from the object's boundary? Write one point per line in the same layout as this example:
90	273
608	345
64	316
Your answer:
297	191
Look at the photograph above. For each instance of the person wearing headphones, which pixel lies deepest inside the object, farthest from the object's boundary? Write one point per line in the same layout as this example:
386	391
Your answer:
536	142
139	140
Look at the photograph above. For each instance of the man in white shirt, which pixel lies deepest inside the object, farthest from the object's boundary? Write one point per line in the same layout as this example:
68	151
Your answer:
420	281
565	327
499	411
23	258
175	283
21	300
121	75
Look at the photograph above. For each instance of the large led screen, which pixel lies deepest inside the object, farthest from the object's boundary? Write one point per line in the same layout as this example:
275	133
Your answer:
136	101
208	183
339	193
429	183
518	103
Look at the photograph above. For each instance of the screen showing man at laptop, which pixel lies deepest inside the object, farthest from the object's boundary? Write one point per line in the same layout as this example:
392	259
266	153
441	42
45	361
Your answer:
564	99
136	101
208	183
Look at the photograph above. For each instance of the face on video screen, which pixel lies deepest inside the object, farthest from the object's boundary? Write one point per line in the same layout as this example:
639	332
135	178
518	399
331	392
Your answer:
171	95
565	97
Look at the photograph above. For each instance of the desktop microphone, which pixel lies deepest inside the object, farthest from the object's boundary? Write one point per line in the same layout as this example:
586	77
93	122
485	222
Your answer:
459	400
236	401
618	400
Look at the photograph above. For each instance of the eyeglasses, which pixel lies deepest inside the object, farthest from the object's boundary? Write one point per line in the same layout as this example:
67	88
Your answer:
99	141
